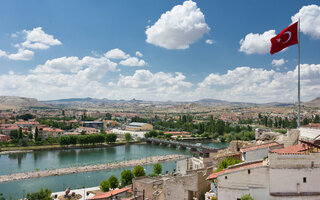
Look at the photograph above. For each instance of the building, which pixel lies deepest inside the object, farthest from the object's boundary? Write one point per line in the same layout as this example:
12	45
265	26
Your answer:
190	186
27	124
288	173
113	194
258	152
4	138
45	132
138	126
93	124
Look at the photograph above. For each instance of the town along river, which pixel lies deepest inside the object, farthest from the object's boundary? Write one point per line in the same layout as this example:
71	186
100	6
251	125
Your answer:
54	159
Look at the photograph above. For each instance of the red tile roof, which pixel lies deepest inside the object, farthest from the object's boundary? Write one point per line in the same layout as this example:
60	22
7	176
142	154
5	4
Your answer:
295	149
102	195
261	146
236	168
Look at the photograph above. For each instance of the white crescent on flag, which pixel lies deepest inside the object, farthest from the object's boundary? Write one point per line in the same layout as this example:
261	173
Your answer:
289	33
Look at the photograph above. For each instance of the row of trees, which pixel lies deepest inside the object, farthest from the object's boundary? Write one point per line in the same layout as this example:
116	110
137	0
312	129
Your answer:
127	176
87	139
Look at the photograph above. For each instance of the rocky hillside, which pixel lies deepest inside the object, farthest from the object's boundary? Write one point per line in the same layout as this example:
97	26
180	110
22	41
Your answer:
14	102
313	103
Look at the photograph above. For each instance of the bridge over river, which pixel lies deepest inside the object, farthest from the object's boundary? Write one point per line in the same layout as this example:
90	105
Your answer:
181	145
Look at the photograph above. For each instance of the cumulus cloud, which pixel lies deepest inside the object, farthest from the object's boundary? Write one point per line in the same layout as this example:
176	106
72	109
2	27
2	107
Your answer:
116	54
309	20
260	85
132	62
279	62
38	39
22	54
139	54
209	41
255	43
178	28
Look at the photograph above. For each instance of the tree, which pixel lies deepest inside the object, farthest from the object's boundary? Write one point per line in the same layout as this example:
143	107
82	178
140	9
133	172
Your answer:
20	134
139	171
111	137
157	168
42	194
126	177
36	134
105	186
114	183
226	163
14	134
1	197
108	116
128	137
247	197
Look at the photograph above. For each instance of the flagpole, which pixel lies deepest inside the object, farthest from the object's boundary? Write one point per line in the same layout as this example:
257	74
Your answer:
299	74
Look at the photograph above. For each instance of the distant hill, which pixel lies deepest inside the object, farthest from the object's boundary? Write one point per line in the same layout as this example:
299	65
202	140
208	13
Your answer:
313	103
13	102
216	102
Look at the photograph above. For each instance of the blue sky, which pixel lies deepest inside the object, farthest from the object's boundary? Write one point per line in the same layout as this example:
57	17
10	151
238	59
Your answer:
157	50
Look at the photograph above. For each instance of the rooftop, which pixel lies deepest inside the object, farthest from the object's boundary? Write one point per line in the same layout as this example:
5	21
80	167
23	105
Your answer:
261	146
245	165
295	149
102	195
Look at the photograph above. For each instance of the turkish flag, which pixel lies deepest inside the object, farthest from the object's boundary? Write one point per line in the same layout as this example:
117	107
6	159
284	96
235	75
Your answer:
287	37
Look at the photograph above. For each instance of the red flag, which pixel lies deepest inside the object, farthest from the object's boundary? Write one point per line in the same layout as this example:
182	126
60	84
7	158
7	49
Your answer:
288	37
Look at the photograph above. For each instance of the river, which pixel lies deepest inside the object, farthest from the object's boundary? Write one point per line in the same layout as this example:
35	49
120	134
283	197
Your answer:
54	159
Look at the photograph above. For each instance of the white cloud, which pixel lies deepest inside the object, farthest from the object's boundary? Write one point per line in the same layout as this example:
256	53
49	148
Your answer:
10	72
139	54
309	19
22	54
116	54
279	62
257	43
38	39
260	85
209	41
133	61
178	28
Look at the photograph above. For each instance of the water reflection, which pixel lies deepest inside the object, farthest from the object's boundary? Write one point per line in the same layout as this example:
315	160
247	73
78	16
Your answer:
17	156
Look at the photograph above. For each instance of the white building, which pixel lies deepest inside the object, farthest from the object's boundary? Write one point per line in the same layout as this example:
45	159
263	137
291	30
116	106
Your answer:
289	173
258	152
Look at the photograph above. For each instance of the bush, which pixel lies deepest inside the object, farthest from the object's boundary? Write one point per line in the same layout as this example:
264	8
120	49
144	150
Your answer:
247	197
42	194
105	186
139	171
225	163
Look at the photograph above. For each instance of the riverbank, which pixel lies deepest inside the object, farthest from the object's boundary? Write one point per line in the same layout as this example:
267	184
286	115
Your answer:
8	150
88	168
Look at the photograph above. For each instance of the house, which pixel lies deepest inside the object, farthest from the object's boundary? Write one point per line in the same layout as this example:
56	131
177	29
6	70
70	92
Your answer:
113	194
258	152
192	185
288	173
27	124
45	132
4	138
93	124
110	123
138	126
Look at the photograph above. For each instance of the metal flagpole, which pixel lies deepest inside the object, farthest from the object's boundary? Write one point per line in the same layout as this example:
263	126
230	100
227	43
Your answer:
299	73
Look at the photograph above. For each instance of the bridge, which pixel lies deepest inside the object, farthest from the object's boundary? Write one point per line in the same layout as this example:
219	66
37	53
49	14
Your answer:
181	145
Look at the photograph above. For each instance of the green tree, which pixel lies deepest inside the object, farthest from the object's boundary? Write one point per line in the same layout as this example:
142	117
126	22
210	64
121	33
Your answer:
225	163
20	134
111	137
36	134
105	186
247	197
108	116
139	171
42	194
126	177
1	197
114	183
14	134
128	137
157	168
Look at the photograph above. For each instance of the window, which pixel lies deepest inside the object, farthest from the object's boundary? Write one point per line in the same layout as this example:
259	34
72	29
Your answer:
304	179
249	171
312	164
225	177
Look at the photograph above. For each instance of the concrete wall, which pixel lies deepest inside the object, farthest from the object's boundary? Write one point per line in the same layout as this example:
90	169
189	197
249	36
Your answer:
240	183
